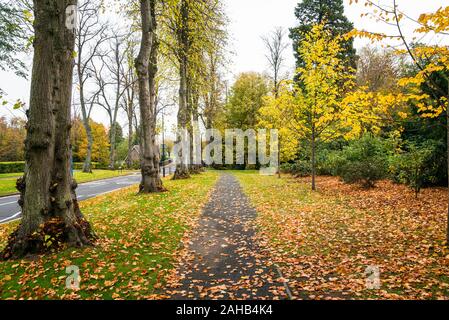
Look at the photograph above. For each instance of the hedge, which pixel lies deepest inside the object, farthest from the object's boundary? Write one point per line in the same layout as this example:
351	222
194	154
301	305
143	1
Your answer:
19	166
12	167
80	165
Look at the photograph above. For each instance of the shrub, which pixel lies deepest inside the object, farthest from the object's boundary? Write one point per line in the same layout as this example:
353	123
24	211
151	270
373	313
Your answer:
414	167
364	161
329	162
80	165
301	168
12	167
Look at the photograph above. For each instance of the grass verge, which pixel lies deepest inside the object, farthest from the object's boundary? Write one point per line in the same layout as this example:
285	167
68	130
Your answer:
329	243
139	238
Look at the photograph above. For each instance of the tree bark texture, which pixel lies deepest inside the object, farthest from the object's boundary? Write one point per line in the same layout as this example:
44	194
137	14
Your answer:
51	217
182	168
146	64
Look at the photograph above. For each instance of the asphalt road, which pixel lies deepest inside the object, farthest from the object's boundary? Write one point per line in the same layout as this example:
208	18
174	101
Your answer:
10	210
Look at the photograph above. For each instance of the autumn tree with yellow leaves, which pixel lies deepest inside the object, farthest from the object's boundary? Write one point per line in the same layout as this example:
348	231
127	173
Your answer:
79	140
313	109
325	105
321	107
193	33
430	59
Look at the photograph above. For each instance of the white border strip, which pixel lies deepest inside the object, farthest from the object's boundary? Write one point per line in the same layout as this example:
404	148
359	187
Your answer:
11	218
5	204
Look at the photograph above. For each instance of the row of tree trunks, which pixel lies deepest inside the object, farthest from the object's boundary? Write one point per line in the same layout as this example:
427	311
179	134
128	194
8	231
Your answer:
182	168
50	212
146	65
195	138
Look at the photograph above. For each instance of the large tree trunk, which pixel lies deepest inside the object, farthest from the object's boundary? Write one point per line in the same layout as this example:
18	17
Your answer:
50	211
182	169
146	64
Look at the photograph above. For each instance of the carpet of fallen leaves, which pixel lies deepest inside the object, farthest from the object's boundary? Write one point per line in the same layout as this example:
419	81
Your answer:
139	240
324	241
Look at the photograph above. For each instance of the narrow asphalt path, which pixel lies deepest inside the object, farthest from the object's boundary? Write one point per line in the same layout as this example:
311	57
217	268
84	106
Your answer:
10	210
223	259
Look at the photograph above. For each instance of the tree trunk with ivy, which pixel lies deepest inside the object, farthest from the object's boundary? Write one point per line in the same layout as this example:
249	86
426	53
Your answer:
51	218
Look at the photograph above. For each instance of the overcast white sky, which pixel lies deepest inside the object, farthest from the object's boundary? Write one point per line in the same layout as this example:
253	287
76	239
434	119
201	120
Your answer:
251	19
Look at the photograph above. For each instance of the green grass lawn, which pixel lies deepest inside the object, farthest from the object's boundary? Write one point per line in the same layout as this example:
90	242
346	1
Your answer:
9	175
139	237
8	180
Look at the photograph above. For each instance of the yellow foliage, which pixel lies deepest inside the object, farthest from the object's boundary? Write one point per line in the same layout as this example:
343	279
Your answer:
437	21
436	57
325	105
100	148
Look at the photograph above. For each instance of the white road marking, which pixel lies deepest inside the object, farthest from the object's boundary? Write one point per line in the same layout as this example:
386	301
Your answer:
92	185
13	196
9	221
5	204
11	217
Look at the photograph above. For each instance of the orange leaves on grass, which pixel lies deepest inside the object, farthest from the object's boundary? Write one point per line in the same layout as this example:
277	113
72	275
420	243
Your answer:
139	238
325	241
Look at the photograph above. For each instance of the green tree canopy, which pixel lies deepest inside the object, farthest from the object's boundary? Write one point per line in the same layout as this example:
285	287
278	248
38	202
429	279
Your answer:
14	35
329	12
245	100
